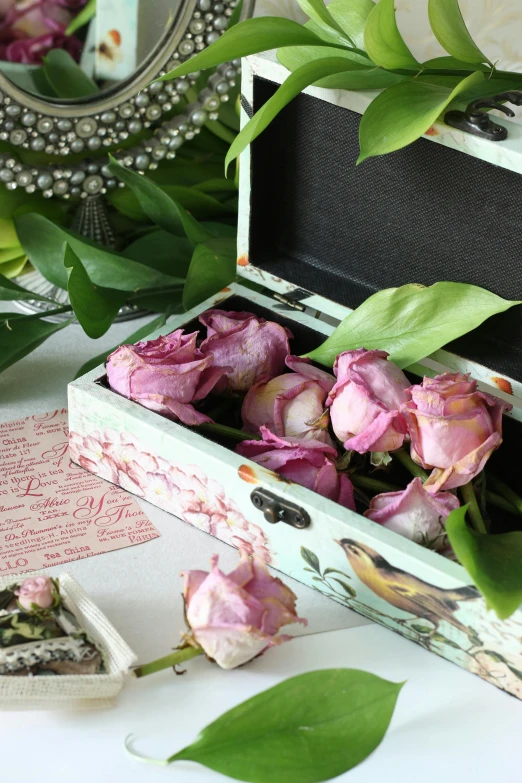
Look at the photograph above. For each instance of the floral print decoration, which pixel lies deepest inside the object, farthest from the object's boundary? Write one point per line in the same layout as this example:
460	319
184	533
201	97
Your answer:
184	491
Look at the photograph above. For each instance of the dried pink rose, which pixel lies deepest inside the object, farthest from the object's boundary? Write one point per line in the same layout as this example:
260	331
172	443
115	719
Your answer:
235	618
291	405
31	28
454	428
414	513
247	346
365	400
307	462
165	375
37	592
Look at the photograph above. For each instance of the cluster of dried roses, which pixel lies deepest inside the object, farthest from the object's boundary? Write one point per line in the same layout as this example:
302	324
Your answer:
29	29
371	405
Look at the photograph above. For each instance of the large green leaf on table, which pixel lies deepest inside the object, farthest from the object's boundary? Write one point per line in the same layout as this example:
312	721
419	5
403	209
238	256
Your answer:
162	251
66	77
21	334
95	307
320	14
10	291
292	86
403	112
351	16
248	37
493	562
43	243
158	206
383	41
213	267
450	30
200	205
412	321
307	729
359	77
82	18
451	63
135	337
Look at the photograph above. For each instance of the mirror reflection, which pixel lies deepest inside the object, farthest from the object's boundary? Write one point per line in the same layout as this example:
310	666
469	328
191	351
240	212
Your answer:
67	49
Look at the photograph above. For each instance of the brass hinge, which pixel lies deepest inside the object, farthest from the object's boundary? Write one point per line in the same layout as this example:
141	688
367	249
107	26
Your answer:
294	304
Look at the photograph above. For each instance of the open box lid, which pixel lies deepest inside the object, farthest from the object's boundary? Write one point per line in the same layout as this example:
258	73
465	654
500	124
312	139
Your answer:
450	210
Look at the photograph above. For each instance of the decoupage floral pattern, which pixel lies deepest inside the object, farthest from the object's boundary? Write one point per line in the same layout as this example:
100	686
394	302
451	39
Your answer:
184	491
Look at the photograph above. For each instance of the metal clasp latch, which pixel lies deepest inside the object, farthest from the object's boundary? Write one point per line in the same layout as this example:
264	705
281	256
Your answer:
279	510
478	122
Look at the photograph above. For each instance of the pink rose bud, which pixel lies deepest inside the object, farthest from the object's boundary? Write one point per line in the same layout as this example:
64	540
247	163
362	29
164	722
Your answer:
307	462
291	405
165	375
454	428
246	346
415	514
365	400
29	29
235	618
37	592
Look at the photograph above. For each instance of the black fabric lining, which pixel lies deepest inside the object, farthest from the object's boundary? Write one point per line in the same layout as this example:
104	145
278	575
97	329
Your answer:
423	214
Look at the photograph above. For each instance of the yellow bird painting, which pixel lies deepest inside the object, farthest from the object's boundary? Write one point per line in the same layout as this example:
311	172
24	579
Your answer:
407	592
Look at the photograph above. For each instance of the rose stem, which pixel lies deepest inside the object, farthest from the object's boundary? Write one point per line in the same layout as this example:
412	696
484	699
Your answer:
228	432
468	495
178	656
374	485
410	465
505	491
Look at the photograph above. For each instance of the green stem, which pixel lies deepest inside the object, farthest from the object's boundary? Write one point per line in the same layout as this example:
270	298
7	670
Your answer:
509	494
468	495
500	502
220	130
228	432
374	485
38	316
178	656
411	466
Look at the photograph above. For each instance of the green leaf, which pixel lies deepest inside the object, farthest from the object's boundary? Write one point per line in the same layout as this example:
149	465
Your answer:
13	268
351	16
248	37
346	587
412	321
9	254
292	86
22	334
157	301
403	112
307	729
81	19
66	77
359	77
199	204
383	41
493	562
43	243
10	291
135	337
162	251
158	206
94	307
213	267
8	236
451	63
450	30
320	14
335	571
311	558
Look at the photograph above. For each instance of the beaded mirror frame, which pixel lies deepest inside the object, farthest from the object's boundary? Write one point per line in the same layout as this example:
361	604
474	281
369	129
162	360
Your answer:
64	128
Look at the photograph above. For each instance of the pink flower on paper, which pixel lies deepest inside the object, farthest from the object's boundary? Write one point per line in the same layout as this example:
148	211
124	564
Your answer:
454	428
36	593
31	28
415	514
364	403
310	463
291	405
186	492
245	346
235	618
165	375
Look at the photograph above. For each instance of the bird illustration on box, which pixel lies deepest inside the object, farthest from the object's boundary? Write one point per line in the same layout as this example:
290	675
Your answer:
407	592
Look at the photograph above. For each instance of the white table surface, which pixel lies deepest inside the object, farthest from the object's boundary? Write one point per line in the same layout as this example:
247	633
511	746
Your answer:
139	588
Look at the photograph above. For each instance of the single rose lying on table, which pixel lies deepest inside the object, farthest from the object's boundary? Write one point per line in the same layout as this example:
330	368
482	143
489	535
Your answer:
232	619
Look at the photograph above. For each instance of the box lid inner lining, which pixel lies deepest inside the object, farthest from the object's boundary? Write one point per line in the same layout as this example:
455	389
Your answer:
422	214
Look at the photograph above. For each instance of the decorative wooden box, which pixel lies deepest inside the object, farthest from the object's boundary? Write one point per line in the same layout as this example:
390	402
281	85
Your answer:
434	211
